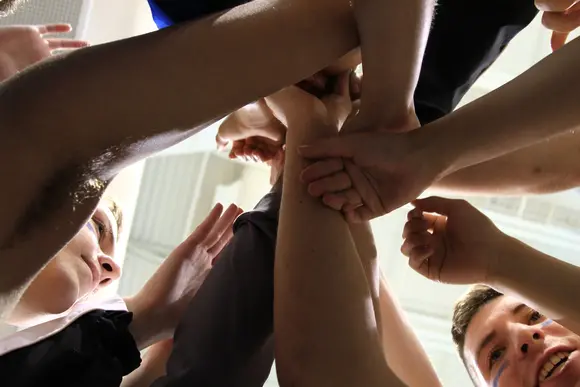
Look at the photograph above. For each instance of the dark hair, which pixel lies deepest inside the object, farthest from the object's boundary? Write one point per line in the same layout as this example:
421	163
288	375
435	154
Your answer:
8	6
464	311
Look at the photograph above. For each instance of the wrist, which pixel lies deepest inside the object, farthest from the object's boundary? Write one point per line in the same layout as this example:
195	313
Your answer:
505	259
144	327
433	149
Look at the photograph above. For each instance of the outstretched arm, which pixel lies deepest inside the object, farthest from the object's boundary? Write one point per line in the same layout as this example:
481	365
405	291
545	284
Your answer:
402	349
546	167
320	291
69	125
393	36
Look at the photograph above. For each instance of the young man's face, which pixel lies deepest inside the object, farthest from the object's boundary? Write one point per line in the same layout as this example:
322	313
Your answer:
508	344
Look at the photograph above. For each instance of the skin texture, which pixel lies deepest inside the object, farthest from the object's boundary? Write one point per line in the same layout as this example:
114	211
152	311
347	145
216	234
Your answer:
503	356
82	268
450	241
58	184
510	118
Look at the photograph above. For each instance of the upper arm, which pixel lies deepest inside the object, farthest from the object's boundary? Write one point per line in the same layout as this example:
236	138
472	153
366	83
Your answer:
40	210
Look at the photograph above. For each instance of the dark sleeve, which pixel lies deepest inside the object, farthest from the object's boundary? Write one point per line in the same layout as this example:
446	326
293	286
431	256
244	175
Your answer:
225	337
466	38
96	350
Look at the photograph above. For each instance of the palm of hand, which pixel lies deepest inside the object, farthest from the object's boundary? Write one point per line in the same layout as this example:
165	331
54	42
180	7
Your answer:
23	46
166	295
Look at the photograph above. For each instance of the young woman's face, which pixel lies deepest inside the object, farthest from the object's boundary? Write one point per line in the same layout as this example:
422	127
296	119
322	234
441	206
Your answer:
85	265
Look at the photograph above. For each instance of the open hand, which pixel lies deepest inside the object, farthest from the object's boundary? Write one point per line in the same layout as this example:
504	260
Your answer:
450	241
161	302
253	131
385	170
560	16
23	46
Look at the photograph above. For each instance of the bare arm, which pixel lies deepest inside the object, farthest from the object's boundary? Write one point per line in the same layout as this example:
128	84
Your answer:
540	103
402	350
320	292
68	126
547	283
393	36
549	166
152	367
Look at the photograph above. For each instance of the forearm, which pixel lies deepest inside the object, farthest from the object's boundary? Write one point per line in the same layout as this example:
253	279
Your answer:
402	349
86	115
540	103
362	236
393	36
152	367
546	167
547	283
124	93
323	315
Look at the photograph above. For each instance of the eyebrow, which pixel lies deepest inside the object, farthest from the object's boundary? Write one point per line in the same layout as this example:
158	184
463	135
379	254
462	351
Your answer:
491	335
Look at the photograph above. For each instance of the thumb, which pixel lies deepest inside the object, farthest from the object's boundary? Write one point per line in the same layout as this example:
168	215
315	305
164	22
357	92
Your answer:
329	147
437	205
287	101
558	40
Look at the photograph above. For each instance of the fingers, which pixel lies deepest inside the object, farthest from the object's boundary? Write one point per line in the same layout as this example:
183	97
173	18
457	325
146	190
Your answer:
414	226
328	147
57	28
561	21
439	205
221	227
321	169
558	40
225	237
413	241
65	44
336	182
202	231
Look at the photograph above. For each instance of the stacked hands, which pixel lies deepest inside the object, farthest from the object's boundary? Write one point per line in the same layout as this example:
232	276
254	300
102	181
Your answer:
368	173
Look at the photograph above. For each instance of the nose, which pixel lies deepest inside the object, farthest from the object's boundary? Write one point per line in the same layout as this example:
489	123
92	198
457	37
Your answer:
110	270
528	339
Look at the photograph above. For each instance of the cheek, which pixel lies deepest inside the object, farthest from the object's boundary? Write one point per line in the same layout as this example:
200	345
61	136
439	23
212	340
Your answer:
62	283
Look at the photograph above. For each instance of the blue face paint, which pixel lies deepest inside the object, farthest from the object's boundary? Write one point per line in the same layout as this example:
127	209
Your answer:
90	227
499	372
547	322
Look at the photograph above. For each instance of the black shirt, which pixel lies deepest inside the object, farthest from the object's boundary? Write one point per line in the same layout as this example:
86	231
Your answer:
96	350
466	38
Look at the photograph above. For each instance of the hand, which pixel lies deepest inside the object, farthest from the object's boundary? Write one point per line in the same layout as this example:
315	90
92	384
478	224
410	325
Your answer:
294	105
450	241
255	149
277	166
384	171
160	303
254	131
560	16
23	46
324	82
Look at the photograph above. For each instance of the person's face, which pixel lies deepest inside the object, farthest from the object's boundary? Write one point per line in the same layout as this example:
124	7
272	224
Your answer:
508	344
84	266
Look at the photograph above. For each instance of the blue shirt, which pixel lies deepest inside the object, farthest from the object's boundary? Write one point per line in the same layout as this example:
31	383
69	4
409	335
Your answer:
159	17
